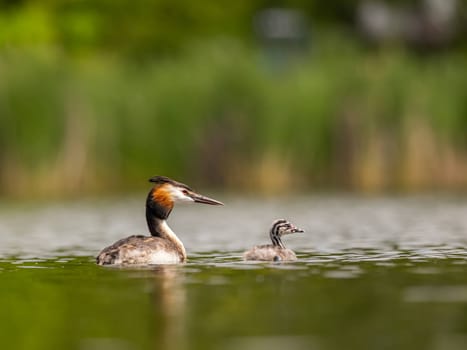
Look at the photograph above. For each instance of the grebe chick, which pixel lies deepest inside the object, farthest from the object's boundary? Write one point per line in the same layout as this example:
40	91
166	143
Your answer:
163	246
275	251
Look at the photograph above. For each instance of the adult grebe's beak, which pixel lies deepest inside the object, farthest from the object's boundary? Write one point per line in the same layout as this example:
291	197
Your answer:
203	199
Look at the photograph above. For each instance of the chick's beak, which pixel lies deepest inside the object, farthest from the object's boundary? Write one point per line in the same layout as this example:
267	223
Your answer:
203	199
296	229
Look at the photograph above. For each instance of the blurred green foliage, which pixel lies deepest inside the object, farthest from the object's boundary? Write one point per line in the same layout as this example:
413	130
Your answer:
155	28
137	28
100	95
220	117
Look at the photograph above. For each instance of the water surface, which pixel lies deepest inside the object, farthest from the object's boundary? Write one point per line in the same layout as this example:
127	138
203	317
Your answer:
385	273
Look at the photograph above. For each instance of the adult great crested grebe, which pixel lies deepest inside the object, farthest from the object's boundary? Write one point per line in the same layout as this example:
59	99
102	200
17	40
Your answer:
163	246
275	251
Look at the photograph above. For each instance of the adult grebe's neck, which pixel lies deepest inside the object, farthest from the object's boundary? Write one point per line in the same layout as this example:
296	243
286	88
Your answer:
159	228
275	237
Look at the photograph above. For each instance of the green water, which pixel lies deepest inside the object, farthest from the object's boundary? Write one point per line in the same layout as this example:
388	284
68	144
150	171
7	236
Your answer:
69	303
372	274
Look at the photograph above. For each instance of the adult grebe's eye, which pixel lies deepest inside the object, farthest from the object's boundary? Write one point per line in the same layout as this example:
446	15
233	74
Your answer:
185	192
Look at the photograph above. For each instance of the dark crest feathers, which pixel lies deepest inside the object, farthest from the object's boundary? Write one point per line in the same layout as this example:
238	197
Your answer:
160	180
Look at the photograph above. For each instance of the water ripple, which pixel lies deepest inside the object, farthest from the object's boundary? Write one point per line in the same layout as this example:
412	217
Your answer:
344	229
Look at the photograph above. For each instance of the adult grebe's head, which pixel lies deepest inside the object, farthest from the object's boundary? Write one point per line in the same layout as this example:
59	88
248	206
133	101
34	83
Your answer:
166	192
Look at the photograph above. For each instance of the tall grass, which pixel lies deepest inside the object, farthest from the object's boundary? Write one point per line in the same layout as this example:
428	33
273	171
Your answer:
220	115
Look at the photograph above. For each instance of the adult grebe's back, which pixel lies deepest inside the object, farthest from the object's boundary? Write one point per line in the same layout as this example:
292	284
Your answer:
163	246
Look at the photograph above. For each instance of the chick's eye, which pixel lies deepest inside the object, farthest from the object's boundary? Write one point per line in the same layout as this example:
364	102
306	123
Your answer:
185	192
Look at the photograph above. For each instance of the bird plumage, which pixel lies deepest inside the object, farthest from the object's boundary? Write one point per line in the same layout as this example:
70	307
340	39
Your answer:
277	250
163	246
